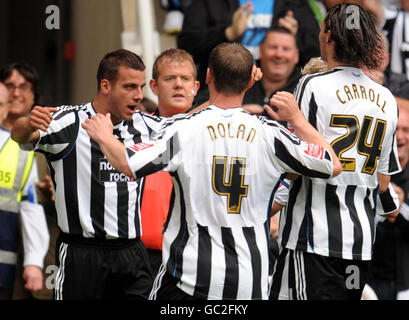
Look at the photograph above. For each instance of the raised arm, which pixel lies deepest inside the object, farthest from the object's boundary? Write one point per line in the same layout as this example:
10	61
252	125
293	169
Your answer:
26	129
284	107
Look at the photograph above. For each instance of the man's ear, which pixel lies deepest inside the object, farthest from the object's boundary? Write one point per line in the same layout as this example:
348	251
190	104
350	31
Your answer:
196	87
328	36
105	86
297	58
209	76
154	86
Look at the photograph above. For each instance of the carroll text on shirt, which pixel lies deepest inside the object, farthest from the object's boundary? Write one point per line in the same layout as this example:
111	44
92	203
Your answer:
354	91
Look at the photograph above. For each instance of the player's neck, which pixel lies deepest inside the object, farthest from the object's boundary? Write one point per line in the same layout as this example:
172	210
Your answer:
101	105
225	101
169	111
334	63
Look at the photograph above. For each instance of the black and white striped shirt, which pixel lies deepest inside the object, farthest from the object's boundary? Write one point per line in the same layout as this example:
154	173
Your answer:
224	165
335	217
93	200
396	28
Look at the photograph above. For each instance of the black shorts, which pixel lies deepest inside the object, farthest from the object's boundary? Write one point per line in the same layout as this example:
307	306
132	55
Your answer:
101	269
302	275
165	288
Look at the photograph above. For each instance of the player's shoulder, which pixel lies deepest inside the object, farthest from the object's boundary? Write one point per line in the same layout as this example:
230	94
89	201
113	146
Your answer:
319	76
319	80
390	13
64	110
75	108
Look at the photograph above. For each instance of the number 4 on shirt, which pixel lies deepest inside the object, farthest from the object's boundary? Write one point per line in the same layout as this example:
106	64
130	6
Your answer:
234	188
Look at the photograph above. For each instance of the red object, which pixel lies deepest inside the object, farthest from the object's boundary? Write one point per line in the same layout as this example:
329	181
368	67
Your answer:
155	207
315	150
141	146
69	50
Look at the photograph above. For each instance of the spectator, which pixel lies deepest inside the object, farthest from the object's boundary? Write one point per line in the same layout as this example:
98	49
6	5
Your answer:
393	22
279	57
208	23
174	16
19	193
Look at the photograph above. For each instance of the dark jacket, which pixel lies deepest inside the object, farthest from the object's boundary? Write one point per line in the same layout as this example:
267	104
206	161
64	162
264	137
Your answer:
256	94
205	21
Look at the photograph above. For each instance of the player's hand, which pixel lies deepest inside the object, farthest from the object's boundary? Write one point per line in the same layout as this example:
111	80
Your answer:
99	127
239	21
253	108
40	117
256	75
392	216
34	278
46	188
289	22
399	191
283	107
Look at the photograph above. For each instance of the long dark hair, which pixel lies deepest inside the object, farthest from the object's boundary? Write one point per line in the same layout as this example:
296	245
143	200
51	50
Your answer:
359	45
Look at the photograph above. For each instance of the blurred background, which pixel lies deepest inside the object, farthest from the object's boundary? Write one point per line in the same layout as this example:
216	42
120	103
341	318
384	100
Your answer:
67	58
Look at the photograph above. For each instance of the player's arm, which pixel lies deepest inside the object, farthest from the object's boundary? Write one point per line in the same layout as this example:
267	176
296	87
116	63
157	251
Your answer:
135	161
388	200
284	107
26	129
282	193
100	129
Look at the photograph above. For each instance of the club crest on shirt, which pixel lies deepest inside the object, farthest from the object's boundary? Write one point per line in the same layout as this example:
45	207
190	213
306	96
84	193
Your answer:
314	150
107	173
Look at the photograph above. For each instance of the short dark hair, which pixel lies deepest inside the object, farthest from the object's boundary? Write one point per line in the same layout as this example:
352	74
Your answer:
361	46
231	65
110	63
178	55
279	29
29	73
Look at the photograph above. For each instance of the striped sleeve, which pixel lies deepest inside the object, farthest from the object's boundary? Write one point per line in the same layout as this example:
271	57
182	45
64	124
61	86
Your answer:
290	154
61	135
161	155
